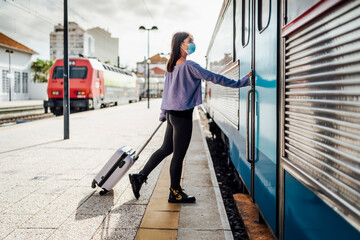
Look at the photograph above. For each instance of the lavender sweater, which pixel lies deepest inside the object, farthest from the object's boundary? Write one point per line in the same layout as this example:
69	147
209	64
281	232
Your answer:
182	88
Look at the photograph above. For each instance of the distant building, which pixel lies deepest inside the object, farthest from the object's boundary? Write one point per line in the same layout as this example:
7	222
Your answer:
80	42
157	68
20	69
106	47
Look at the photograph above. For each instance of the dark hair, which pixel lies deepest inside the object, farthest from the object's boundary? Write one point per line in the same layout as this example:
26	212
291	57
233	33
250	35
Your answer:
175	54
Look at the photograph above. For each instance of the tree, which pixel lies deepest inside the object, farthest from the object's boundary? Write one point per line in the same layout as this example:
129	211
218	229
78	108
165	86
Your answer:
41	69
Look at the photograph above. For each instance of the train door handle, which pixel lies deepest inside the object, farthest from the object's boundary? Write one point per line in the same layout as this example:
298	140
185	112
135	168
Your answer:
247	124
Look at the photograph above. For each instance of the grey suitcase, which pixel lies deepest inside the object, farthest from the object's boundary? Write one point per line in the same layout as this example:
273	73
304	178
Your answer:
117	166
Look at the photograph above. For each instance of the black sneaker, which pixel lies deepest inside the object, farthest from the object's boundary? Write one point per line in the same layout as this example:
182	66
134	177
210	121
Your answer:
136	181
178	196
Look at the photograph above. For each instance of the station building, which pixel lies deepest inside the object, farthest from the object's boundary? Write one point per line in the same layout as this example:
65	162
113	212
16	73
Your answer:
19	66
157	66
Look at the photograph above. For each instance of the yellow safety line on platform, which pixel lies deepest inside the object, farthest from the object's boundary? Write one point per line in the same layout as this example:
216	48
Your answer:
161	219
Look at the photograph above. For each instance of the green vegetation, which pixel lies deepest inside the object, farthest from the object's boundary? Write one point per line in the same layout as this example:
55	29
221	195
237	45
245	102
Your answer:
41	69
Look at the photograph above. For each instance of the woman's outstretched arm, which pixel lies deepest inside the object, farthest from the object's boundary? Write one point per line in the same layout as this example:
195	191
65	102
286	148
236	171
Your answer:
200	73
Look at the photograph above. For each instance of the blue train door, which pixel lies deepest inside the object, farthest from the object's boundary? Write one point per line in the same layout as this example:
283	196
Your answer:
256	47
264	108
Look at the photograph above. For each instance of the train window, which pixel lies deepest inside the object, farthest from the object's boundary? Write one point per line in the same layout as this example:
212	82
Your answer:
75	72
58	72
294	8
78	72
263	14
222	51
245	23
97	73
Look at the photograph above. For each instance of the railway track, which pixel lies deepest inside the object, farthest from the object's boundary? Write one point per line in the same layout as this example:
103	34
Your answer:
22	119
20	114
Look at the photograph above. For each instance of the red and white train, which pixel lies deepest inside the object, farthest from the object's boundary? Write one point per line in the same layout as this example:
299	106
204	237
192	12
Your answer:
92	85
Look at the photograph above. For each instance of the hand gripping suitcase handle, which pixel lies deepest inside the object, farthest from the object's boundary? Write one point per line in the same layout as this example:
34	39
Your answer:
147	142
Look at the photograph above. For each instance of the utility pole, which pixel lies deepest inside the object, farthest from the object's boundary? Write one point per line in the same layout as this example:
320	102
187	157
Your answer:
148	67
10	76
66	98
145	73
154	28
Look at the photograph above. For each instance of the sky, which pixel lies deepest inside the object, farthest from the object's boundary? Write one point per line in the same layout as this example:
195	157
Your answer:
31	21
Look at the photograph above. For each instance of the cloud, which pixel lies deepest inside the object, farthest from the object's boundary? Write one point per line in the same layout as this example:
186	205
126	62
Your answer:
121	17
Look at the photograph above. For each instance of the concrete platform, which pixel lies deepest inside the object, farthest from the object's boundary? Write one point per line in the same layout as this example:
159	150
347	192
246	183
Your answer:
46	180
21	103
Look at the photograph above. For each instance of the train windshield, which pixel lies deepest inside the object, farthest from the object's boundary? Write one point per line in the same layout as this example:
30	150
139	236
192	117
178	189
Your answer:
75	72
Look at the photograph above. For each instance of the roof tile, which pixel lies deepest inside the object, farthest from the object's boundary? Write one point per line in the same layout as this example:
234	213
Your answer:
6	41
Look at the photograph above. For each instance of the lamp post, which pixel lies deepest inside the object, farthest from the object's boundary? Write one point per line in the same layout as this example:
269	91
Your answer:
66	97
9	52
142	28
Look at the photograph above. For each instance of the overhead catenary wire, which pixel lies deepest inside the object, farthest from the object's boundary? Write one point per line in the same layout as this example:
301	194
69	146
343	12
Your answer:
147	9
58	4
30	11
25	23
35	12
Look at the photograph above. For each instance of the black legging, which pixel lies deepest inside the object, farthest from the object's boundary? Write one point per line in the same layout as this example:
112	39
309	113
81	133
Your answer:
177	139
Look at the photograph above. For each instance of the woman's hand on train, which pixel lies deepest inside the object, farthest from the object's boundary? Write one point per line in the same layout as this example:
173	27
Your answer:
249	74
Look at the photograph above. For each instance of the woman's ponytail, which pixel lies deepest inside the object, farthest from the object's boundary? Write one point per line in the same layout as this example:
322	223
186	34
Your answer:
175	54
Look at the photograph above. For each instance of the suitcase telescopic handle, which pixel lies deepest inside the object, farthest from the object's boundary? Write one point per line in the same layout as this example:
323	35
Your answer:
147	142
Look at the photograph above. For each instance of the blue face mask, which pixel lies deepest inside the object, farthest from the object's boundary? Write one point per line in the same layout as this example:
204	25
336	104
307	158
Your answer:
191	49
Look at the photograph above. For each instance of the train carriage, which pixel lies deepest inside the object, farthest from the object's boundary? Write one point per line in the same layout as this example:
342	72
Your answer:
92	85
293	135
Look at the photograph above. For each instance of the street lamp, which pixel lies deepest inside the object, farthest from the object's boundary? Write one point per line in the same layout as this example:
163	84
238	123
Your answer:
10	52
142	28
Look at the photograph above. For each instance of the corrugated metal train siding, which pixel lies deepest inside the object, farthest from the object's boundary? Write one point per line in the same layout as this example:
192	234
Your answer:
322	105
225	100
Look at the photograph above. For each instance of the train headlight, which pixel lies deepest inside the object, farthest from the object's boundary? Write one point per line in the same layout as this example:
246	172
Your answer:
81	94
55	93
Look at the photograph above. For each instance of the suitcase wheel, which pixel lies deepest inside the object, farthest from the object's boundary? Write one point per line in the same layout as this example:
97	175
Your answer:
103	192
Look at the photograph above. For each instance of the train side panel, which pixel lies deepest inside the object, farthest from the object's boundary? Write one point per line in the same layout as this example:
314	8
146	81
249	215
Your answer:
309	217
320	150
119	88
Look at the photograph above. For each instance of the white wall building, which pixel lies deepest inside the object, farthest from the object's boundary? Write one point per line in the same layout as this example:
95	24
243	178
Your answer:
157	66
80	42
20	75
106	47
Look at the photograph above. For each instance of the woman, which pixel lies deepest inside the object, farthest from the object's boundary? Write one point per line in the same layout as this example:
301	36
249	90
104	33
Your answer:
182	92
